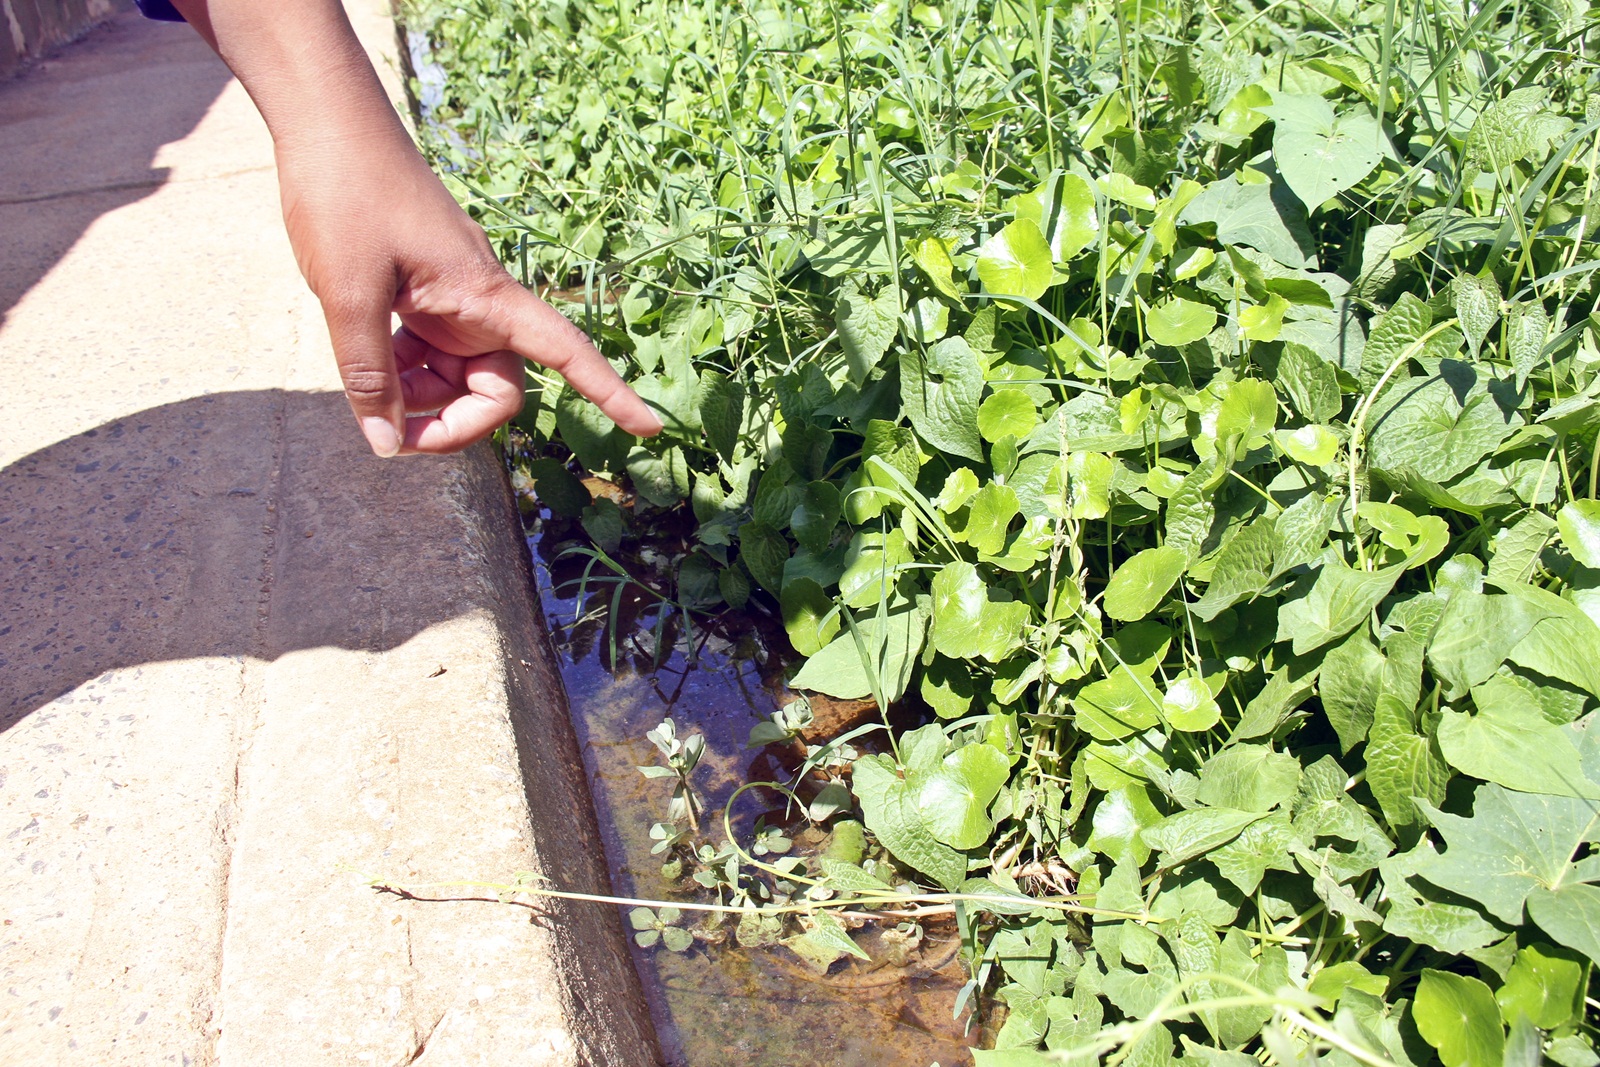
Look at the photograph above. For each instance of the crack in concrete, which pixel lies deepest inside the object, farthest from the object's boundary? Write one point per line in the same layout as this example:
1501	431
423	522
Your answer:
422	1042
245	723
133	183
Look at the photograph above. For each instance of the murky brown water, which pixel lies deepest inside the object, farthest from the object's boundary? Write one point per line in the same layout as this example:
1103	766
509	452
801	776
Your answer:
722	1005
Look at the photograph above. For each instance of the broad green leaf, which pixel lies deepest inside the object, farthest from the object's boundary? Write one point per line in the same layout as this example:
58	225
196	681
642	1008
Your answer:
867	324
1515	747
721	405
1301	531
1339	600
775	497
1477	300
593	438
734	585
1192	509
1402	765
1525	331
1188	705
764	551
1241	115
1570	914
948	687
989	516
1192	833
849	877
959	601
1380	1025
1564	645
1319	154
1063	209
893	445
1142	581
816	515
1428	915
1512	845
1572	1051
1457	1015
932	254
558	488
1392	334
1475	634
953	799
1118	819
889	808
806	615
1421	424
1249	778
1310	382
1517	548
1263	322
1192	262
1016	261
661	477
603	522
967	623
1351	678
960	485
1118	705
890	645
1007	411
940	392
1176	322
1137	993
1544	985
1520	126
1249	411
1313	445
926	321
1242	569
872	568
1579	522
1079	486
1125	190
1270	707
822	941
1332	981
1260	847
1256	215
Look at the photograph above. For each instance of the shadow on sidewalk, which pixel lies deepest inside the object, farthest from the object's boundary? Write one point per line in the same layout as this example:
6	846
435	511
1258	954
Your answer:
79	133
169	533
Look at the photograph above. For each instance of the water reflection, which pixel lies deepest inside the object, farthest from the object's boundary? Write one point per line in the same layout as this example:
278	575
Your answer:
723	1005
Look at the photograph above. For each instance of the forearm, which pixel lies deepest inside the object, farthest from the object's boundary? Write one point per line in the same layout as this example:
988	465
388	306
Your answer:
302	64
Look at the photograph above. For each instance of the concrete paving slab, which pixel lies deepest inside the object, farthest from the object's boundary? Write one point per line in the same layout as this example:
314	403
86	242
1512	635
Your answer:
222	624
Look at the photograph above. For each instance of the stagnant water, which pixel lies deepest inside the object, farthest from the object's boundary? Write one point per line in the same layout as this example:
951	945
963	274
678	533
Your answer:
721	1004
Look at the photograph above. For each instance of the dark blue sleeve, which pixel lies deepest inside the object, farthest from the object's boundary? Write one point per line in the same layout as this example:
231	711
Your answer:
159	9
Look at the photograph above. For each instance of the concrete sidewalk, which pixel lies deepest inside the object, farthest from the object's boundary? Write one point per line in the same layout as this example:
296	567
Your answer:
242	660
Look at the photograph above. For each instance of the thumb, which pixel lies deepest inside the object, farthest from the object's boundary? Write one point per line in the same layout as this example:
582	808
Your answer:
363	346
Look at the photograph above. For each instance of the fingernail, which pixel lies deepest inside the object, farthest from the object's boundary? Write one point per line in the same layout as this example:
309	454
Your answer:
381	436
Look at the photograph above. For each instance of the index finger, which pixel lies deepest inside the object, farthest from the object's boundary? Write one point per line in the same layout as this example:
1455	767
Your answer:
539	332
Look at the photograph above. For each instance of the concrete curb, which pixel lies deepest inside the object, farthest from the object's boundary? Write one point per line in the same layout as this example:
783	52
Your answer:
222	628
29	28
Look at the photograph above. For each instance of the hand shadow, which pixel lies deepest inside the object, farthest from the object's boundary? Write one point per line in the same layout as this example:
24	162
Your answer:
81	130
223	525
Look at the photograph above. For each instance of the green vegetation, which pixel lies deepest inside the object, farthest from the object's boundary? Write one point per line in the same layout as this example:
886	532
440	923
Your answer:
1195	406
